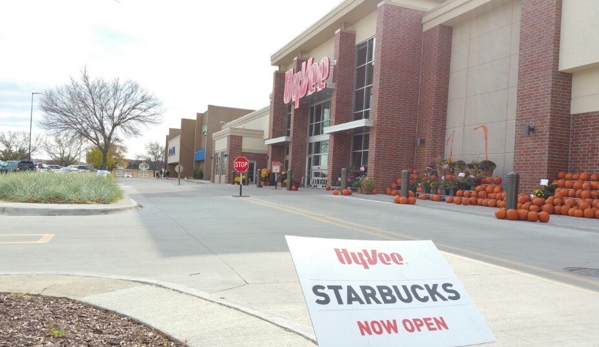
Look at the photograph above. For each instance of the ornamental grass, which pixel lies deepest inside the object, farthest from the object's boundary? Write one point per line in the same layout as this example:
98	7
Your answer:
57	188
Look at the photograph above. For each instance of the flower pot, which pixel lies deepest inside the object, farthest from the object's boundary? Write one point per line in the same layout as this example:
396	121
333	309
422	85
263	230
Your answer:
426	190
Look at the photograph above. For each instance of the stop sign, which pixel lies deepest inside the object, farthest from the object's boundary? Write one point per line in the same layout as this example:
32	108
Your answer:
241	164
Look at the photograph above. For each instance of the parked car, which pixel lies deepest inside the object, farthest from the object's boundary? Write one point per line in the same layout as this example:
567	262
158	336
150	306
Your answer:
25	165
16	166
128	175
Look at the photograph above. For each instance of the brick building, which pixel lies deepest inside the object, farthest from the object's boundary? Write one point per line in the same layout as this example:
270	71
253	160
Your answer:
396	84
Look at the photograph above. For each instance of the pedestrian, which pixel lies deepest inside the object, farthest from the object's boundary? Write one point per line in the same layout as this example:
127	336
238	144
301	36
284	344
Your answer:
168	174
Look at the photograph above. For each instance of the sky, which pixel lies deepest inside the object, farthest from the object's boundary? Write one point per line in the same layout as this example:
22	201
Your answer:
189	54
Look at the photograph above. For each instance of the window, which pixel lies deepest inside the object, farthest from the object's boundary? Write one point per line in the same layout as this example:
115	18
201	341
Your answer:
364	74
360	149
320	117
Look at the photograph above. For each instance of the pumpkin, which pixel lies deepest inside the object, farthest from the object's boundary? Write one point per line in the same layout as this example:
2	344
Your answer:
449	199
534	208
457	200
538	201
597	213
585	176
411	200
576	176
327	188
374	191
497	180
345	191
523	214
335	191
589	213
422	197
465	201
396	199
294	188
533	216
578	213
548	208
473	200
512	214
543	217
459	193
500	214
561	174
403	200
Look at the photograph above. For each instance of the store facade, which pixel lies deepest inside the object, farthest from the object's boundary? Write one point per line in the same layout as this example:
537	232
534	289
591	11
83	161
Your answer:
386	86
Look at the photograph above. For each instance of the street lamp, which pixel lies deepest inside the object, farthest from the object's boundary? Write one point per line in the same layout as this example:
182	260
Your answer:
31	122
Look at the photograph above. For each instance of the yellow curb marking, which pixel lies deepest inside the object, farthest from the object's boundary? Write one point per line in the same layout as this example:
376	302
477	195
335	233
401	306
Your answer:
42	238
360	228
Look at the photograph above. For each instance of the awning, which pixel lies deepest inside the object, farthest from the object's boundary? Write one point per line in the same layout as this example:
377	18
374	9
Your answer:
283	140
360	123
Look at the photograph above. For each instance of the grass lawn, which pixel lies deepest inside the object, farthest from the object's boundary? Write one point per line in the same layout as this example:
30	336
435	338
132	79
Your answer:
58	188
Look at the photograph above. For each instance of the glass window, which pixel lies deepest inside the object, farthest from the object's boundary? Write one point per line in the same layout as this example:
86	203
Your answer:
319	118
364	77
360	144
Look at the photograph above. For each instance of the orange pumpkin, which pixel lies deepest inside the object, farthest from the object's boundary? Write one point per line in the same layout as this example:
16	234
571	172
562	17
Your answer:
422	197
374	191
512	214
449	199
473	200
293	188
396	199
457	200
584	176
403	200
497	180
500	214
335	191
411	200
578	213
589	213
523	214
533	216
543	217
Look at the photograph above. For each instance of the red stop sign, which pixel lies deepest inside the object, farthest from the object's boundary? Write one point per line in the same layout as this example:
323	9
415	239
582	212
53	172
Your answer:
241	164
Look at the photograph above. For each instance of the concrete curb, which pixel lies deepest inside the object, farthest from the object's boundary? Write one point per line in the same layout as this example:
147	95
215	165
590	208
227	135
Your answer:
31	209
298	329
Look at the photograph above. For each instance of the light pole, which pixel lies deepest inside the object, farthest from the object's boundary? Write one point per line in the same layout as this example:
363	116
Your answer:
31	122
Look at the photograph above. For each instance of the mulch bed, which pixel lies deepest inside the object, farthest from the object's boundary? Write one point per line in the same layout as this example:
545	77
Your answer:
38	320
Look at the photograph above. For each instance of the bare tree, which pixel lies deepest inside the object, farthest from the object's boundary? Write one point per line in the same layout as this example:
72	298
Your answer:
99	110
154	154
15	145
63	148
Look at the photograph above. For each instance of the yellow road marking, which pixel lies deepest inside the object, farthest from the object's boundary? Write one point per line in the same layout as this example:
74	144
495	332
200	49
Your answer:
41	238
360	228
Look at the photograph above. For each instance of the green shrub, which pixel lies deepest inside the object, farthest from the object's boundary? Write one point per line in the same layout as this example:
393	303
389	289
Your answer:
198	174
56	188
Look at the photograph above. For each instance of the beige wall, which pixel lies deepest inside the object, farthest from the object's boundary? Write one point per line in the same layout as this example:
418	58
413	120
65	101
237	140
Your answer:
253	145
175	142
365	28
220	145
579	45
483	84
585	91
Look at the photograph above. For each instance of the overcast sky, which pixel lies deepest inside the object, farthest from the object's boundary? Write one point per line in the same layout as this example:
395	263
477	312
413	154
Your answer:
188	53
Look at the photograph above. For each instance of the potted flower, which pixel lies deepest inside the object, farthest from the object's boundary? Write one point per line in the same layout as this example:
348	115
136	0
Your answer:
367	185
449	187
425	184
282	180
465	183
486	168
435	186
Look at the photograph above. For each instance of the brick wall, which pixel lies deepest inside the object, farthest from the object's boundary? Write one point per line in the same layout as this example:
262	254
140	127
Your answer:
342	102
395	92
299	134
278	109
584	154
544	96
434	85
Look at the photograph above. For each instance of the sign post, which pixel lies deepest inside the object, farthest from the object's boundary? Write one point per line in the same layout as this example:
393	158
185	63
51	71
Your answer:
276	169
179	169
384	293
241	165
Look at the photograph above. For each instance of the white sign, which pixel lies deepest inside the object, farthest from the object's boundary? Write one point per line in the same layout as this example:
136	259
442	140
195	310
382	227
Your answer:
544	182
384	293
276	166
178	168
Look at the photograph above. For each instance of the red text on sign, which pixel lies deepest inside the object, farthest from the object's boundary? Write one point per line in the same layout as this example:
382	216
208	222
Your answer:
378	327
428	323
368	258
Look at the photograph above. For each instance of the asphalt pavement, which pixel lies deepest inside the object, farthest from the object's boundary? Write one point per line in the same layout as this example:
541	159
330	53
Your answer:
165	258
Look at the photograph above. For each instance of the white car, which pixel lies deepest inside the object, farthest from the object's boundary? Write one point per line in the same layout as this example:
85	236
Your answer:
128	175
103	173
